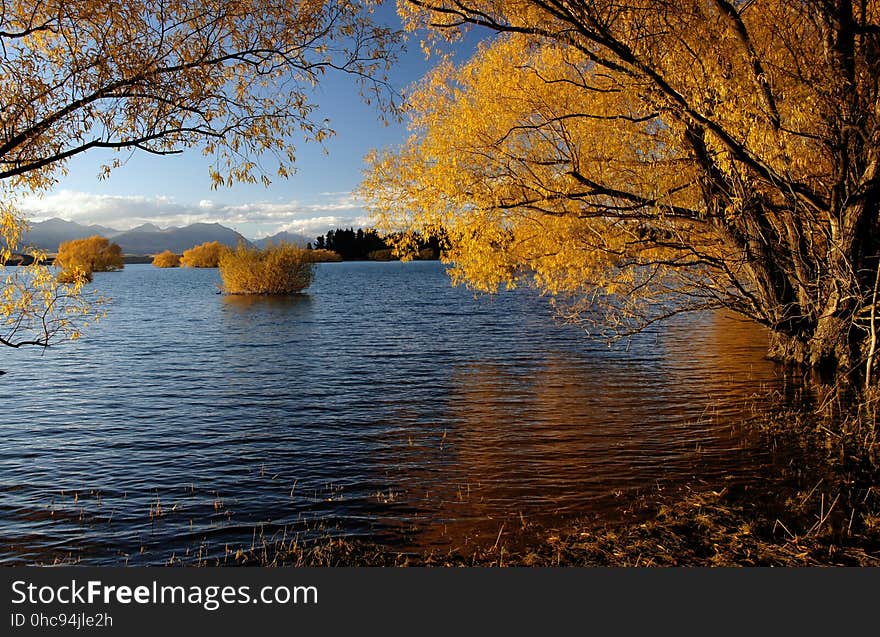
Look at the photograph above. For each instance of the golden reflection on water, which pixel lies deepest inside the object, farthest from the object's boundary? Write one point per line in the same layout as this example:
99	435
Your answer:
436	415
589	433
267	318
260	302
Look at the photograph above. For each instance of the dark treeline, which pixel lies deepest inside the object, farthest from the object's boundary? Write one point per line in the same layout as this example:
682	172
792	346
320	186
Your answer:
350	243
353	245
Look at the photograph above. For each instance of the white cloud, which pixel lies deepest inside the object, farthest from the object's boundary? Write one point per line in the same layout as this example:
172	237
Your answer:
254	219
314	226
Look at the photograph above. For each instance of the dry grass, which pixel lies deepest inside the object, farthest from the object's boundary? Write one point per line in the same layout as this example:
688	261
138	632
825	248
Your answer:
831	519
702	529
818	504
275	270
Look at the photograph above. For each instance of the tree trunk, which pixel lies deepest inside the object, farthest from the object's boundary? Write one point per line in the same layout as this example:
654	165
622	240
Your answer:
831	346
788	348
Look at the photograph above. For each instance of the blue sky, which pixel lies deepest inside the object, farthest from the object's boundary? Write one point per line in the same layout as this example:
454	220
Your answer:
175	190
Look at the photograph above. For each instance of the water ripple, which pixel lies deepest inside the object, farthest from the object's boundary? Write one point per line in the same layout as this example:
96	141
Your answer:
382	403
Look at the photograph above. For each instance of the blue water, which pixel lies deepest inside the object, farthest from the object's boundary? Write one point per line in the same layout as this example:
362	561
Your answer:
383	403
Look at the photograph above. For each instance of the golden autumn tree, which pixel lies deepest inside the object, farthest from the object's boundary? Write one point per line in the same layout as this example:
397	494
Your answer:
82	257
167	259
204	255
280	269
643	159
35	307
231	77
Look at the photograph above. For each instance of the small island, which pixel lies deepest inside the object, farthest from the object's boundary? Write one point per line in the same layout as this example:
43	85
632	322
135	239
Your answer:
275	270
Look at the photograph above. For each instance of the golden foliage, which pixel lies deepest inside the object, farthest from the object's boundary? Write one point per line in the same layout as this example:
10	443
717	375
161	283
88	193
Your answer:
645	158
166	259
79	258
165	76
94	254
205	255
234	78
36	308
76	274
275	270
320	255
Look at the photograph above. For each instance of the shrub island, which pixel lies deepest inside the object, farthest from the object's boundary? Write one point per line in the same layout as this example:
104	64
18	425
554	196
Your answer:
79	258
205	255
166	259
281	269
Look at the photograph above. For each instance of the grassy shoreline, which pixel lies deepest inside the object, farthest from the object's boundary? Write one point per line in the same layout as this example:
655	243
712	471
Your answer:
704	529
817	505
829	516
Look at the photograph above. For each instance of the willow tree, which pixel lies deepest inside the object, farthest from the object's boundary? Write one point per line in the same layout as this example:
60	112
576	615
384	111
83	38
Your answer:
232	77
646	158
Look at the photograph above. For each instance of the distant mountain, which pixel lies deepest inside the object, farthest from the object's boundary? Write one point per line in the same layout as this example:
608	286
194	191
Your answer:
283	237
146	227
145	239
46	235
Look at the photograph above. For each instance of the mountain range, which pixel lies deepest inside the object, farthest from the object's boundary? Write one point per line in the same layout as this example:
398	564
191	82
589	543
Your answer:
283	237
144	239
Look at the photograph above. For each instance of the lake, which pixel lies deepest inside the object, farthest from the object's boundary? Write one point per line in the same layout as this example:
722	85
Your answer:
383	404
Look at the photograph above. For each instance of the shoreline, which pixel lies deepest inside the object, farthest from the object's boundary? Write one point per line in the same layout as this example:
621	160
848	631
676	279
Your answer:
821	509
701	529
827	515
707	529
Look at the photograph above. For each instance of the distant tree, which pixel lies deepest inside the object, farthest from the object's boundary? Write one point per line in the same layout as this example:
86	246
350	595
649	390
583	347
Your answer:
352	244
280	269
205	255
82	257
343	242
167	259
